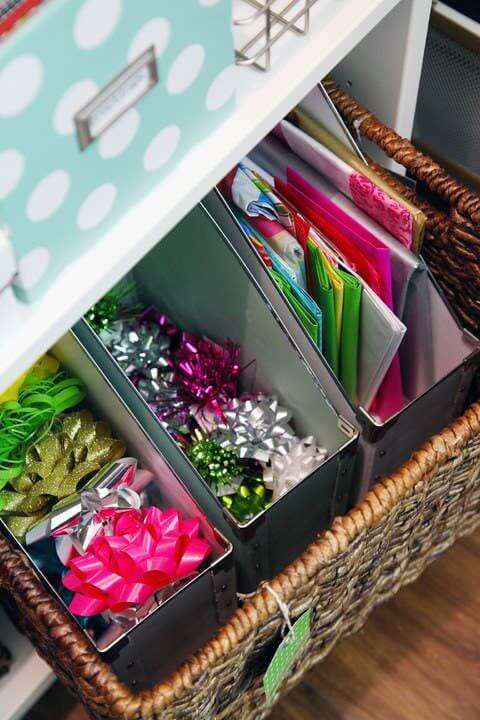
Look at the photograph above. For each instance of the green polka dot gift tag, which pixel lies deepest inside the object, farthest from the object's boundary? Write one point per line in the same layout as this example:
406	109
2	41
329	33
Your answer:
287	653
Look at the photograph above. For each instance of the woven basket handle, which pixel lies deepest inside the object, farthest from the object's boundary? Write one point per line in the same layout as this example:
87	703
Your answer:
422	167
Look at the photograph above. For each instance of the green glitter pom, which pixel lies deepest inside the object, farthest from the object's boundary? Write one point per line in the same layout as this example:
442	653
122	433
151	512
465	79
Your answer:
223	470
218	466
109	309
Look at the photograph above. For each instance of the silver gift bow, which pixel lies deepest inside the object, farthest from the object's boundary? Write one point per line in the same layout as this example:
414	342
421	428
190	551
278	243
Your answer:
106	480
141	348
91	522
257	429
284	472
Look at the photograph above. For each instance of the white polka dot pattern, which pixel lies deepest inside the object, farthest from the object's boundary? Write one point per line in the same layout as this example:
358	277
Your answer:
155	32
114	141
20	83
32	267
48	196
95	22
221	90
185	69
161	148
59	197
96	207
12	165
76	97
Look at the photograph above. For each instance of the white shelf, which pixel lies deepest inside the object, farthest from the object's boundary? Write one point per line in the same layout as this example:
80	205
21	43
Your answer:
28	678
337	26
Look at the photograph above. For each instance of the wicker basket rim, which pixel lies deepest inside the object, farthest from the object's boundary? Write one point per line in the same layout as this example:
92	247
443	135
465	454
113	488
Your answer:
93	675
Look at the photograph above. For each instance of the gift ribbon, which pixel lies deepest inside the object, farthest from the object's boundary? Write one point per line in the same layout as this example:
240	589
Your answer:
74	450
251	498
206	373
256	428
28	419
44	367
96	507
237	483
142	552
151	314
286	471
219	467
110	309
141	348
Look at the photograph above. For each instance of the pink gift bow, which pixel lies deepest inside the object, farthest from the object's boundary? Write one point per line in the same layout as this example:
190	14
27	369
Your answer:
147	550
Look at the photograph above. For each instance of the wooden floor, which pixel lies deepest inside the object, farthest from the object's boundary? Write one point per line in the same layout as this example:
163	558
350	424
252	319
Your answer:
418	657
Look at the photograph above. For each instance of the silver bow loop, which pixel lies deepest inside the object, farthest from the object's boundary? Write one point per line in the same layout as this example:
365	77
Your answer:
257	428
284	472
141	348
91	521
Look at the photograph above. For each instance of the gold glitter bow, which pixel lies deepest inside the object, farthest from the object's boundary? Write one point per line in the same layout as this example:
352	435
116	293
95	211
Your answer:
74	450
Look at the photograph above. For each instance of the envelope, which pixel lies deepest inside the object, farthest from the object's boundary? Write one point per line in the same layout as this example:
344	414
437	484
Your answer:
275	158
311	320
381	332
337	283
348	338
390	396
349	350
324	297
411	293
370	246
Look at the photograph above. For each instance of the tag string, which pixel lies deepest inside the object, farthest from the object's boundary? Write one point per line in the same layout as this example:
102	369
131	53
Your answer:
283	607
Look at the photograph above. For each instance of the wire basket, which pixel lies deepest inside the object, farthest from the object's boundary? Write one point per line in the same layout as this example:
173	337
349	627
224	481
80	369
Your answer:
259	24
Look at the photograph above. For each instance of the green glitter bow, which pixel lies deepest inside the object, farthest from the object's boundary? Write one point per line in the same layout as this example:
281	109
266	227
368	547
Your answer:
250	500
57	466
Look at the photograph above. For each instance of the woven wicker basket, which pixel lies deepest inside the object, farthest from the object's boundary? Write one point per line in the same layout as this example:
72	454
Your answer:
366	556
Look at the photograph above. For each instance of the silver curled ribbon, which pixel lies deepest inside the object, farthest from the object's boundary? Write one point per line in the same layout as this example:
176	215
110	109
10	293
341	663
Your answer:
286	471
141	348
256	428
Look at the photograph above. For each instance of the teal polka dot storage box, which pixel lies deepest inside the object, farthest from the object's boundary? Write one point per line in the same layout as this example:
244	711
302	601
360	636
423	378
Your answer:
99	99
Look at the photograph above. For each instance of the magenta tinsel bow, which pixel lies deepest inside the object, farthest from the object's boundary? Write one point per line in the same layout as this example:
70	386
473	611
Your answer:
207	373
151	314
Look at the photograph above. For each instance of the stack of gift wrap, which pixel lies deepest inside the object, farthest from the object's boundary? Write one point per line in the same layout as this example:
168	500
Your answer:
82	509
244	445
